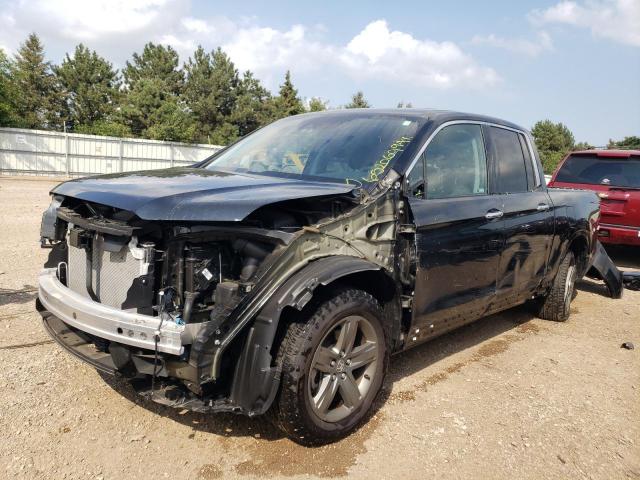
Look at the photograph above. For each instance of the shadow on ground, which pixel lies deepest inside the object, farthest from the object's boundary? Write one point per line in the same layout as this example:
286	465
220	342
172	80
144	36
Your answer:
267	448
27	293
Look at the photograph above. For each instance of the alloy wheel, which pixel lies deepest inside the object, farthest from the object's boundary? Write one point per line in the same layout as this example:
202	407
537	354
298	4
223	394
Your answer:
342	368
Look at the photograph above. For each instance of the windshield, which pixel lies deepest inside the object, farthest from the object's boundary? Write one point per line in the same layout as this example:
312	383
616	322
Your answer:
352	148
595	170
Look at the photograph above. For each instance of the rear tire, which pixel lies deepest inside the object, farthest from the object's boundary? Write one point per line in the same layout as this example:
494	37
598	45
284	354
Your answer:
333	366
556	305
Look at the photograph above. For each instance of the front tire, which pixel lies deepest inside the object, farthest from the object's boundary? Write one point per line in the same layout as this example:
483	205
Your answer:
333	366
556	305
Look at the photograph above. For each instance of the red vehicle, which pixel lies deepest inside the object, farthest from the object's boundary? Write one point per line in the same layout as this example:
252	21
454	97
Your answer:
615	176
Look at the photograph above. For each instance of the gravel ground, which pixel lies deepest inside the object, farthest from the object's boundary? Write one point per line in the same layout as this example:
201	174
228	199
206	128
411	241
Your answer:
510	396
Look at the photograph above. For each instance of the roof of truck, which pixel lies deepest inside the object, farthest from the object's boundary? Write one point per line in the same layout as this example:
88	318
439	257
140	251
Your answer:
435	115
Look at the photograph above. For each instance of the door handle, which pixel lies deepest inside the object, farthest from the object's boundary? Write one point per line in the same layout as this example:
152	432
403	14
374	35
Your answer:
542	207
491	214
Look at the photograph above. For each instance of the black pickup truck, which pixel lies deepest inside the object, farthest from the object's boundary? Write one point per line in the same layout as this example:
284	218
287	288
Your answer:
281	273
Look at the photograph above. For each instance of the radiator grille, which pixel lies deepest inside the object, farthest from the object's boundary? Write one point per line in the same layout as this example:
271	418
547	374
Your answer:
112	273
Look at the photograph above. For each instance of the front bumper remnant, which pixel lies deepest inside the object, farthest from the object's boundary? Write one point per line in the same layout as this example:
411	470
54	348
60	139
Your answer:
127	328
76	342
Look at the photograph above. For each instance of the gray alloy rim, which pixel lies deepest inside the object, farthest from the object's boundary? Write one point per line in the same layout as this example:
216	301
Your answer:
343	368
568	286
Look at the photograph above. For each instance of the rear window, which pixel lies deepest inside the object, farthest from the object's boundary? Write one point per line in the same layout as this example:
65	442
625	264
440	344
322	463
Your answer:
512	173
594	170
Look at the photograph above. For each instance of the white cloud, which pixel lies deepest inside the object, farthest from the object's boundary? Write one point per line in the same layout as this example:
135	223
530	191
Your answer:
88	20
195	25
532	48
262	49
377	51
617	20
117	28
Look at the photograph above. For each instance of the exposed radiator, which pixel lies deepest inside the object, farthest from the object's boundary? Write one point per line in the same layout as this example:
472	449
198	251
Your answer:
112	273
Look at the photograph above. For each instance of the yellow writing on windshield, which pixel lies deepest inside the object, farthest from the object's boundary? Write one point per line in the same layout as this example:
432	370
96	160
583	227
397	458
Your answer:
380	166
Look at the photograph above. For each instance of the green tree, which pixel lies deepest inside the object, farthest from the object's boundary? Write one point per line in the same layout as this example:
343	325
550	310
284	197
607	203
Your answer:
114	127
156	61
358	101
401	104
254	105
7	114
90	86
583	146
150	111
211	93
287	102
627	143
554	141
38	101
316	104
170	121
152	106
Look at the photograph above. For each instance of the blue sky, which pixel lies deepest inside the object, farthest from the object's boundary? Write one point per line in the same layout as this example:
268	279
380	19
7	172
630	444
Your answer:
577	62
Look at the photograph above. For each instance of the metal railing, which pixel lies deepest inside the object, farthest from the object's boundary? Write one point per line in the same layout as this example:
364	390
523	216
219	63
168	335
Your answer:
39	152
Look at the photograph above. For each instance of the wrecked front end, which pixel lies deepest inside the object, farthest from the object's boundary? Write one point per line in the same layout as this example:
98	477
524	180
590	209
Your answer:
176	306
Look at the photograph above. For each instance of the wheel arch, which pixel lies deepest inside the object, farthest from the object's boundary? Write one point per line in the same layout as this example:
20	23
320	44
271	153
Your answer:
579	246
257	376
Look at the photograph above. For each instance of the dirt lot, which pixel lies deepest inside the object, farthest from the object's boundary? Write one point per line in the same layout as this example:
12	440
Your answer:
510	396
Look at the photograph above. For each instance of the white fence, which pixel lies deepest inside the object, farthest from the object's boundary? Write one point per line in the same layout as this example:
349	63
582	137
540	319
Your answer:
38	152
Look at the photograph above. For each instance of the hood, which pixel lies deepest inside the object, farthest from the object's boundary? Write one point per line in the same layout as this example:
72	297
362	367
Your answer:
193	194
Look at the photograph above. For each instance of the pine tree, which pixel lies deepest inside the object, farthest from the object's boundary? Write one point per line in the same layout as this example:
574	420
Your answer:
211	93
39	102
152	106
90	86
358	101
150	111
254	106
7	114
287	102
156	61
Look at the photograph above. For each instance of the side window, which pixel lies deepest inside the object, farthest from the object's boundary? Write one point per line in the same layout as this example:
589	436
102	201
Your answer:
456	164
528	163
512	173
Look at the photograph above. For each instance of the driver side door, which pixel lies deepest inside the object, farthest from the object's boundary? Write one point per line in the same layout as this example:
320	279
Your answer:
459	232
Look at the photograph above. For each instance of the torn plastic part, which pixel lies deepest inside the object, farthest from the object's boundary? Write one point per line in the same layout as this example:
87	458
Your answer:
49	226
607	271
631	280
145	252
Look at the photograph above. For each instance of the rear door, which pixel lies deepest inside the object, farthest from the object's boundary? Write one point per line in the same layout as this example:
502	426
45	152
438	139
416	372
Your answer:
528	215
458	231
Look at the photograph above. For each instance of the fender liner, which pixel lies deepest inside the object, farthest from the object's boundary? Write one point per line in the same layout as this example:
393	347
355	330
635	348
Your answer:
607	271
256	378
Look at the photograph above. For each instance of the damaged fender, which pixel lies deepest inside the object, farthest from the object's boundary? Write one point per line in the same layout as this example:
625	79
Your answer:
257	378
